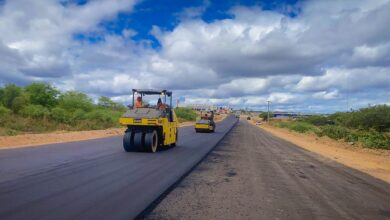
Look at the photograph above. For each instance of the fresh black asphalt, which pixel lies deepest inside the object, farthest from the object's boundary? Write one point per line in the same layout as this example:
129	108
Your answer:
95	179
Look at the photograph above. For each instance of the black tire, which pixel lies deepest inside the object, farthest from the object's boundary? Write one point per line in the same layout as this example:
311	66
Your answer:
138	141
127	141
151	141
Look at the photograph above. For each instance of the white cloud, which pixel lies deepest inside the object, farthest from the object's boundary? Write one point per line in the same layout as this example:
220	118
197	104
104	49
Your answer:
348	79
41	32
326	95
330	48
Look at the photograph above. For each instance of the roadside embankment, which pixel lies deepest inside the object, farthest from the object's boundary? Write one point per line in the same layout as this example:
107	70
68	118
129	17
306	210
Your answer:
375	162
26	140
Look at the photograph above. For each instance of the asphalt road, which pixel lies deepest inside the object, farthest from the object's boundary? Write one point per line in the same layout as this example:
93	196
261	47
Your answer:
95	179
254	175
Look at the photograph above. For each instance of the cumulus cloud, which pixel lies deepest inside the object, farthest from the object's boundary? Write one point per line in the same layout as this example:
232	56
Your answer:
326	95
359	79
329	51
41	32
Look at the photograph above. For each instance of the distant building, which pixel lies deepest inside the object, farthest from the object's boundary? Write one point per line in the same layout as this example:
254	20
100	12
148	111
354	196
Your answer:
290	115
285	115
199	107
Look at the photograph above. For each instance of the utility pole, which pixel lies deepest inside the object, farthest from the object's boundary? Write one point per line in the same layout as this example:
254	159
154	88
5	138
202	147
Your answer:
268	102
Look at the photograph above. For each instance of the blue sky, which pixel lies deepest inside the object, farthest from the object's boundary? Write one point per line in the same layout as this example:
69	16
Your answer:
307	56
166	15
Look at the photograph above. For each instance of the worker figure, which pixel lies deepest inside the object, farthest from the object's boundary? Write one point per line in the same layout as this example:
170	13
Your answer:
161	106
211	116
159	102
138	102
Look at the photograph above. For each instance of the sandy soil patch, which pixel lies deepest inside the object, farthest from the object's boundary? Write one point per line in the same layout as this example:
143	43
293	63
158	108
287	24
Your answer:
371	161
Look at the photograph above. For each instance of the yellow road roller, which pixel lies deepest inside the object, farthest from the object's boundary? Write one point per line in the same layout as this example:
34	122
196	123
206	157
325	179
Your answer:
149	126
206	122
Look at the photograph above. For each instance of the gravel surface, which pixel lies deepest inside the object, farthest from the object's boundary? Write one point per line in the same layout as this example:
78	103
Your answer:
254	175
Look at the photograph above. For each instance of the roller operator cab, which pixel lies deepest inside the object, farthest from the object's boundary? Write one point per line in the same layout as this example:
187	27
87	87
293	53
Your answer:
150	125
206	122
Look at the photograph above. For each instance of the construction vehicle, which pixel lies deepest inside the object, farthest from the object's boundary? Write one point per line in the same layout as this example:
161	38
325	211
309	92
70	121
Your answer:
150	127
206	122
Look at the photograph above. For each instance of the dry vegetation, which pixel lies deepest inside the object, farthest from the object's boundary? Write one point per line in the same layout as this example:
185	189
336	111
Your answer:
368	127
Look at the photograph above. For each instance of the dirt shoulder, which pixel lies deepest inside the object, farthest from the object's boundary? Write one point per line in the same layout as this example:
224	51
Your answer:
27	140
373	162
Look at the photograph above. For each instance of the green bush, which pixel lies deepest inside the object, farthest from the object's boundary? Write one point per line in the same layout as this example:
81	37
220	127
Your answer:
9	93
264	115
99	116
335	132
39	107
73	100
18	103
4	112
5	116
42	94
376	117
35	111
59	115
282	124
301	127
185	114
78	115
374	139
318	120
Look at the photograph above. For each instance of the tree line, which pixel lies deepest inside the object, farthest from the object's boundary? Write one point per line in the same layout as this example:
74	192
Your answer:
41	107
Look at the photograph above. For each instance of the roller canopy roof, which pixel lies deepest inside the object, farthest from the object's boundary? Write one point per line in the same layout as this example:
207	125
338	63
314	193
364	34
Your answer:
152	92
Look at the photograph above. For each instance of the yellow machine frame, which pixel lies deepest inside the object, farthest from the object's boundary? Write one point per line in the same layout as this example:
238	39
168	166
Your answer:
168	128
146	133
205	127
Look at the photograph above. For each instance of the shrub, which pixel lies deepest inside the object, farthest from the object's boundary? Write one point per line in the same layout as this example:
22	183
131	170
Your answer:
185	114
59	115
318	120
72	100
264	115
301	127
99	115
42	94
5	115
78	115
18	103
335	132
374	139
376	117
10	92
4	112
11	132
282	124
35	111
